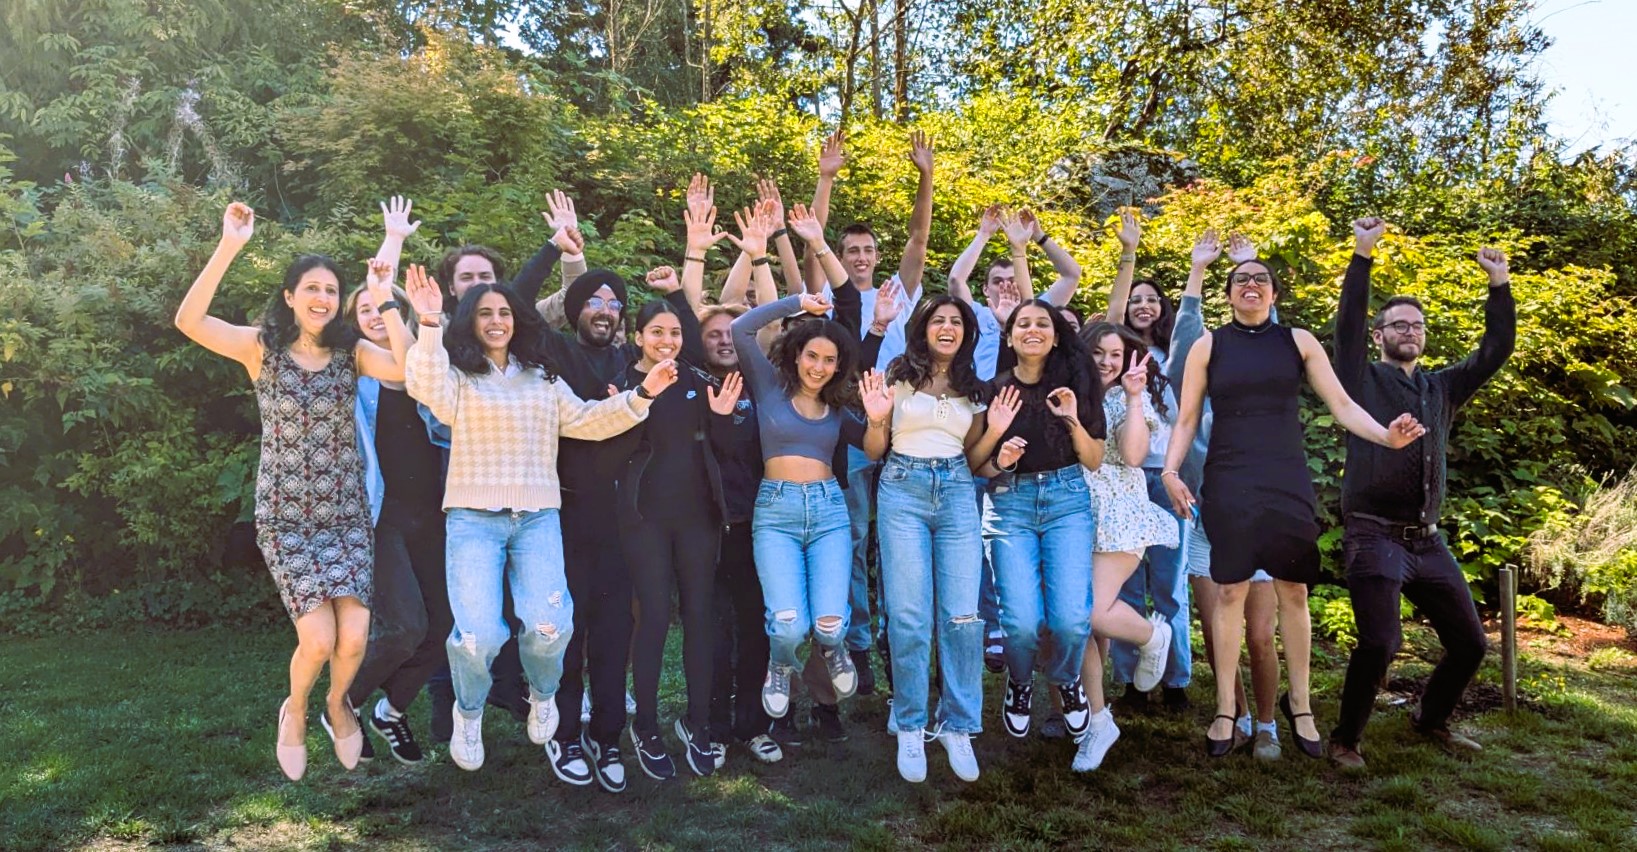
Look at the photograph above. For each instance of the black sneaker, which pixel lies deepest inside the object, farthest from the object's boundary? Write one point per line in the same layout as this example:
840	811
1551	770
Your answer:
400	739
368	752
442	694
605	762
1018	707
866	675
701	755
1176	699
784	732
1076	712
652	757
994	652
1133	700
568	762
827	719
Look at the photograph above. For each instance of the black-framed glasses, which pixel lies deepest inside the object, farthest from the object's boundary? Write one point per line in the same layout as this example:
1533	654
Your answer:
597	303
1260	279
1405	327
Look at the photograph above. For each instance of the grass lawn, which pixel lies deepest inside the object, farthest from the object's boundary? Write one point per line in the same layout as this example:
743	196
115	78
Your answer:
111	741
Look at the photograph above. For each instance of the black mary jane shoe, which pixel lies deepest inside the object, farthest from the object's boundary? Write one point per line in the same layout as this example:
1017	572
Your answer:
1311	748
1220	748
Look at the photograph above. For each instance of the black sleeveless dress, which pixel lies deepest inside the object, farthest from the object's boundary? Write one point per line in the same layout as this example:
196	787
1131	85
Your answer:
1257	501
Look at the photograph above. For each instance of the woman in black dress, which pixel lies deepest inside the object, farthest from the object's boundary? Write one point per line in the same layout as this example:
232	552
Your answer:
1257	499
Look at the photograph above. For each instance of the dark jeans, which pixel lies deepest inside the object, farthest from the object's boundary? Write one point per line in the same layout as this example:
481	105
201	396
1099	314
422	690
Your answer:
410	618
1381	564
601	588
662	558
741	641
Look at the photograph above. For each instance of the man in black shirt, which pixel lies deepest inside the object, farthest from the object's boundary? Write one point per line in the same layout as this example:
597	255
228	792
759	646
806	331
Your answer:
1391	499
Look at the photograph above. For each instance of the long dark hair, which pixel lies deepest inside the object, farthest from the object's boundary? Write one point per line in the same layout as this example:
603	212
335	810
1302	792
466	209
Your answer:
278	322
1068	365
915	365
841	390
1092	334
466	350
1164	323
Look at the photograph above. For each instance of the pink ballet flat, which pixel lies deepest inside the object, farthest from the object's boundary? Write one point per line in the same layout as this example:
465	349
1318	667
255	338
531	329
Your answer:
349	747
292	759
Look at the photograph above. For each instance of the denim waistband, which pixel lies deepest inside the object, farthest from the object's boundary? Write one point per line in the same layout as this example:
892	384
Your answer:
1062	474
948	463
820	487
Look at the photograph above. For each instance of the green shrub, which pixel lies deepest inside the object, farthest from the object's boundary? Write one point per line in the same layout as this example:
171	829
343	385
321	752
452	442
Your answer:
1594	552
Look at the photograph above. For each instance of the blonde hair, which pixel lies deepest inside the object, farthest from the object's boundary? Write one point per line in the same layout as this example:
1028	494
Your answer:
710	312
349	308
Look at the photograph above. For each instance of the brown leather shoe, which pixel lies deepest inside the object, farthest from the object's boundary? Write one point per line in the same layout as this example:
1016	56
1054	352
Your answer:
1451	741
1345	757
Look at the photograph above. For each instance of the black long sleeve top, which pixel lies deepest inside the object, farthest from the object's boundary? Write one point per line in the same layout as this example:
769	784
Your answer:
1407	486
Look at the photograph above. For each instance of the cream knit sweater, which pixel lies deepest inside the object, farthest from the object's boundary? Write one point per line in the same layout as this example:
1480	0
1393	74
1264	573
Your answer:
504	429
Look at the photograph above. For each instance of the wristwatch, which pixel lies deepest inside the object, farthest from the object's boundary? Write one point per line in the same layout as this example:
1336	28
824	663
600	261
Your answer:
389	306
643	392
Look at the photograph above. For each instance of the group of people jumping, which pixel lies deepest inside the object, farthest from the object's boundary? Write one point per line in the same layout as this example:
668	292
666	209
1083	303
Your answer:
498	496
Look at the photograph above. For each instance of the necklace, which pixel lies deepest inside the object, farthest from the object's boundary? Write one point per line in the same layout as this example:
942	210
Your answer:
1260	328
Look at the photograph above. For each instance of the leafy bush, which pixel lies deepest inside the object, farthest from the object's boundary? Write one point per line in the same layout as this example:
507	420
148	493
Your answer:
1593	553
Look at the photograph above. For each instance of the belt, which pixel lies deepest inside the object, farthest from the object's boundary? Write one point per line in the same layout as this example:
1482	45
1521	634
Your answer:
1396	529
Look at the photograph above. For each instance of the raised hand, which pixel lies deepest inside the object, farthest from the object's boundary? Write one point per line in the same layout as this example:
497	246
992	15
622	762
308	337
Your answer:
1135	380
1494	262
872	391
1006	300
1366	232
1018	232
571	241
700	219
767	192
1003	409
662	280
700	191
920	151
662	376
395	213
832	155
723	401
1129	231
1036	230
1062	403
754	229
1206	249
806	225
989	221
1182	500
888	304
815	304
378	279
1403	431
1240	249
564	223
1010	452
238	224
424	292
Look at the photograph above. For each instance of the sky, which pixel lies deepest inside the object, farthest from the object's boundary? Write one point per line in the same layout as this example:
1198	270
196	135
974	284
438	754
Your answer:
1591	65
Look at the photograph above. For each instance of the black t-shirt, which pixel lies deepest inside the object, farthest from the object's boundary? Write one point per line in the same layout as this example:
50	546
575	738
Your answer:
675	484
1050	445
410	463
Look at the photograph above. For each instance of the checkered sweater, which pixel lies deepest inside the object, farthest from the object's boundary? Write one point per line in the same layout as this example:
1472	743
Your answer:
504	430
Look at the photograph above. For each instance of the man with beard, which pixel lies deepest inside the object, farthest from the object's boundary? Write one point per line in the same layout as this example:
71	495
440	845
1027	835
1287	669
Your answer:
1390	500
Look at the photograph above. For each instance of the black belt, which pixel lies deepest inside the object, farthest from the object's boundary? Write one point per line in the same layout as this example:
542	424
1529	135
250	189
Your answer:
1395	529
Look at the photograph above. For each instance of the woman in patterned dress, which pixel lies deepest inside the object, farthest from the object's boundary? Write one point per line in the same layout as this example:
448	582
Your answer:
312	517
1127	523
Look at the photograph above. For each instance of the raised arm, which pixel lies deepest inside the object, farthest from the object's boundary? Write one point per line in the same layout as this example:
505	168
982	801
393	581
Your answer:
1063	263
373	361
565	242
811	231
395	218
1018	231
1400	433
832	156
961	271
877	402
913	263
758	370
1129	233
239	342
1190	403
699	217
767	193
1190	323
1352	314
428	377
1500	332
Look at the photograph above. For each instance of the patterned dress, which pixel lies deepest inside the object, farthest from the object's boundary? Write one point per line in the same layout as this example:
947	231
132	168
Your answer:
312	518
1127	521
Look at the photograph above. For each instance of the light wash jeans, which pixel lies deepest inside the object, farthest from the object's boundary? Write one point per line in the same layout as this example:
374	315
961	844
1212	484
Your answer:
931	562
988	597
861	474
1159	577
525	551
800	535
1039	529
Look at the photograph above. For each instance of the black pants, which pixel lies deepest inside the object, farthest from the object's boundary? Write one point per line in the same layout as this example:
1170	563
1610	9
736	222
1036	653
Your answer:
1381	564
410	619
601	589
741	641
667	557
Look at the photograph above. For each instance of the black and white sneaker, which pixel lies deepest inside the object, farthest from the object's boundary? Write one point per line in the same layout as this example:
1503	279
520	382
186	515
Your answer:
843	675
652	757
1018	708
605	761
568	762
1076	712
400	739
765	748
368	752
701	759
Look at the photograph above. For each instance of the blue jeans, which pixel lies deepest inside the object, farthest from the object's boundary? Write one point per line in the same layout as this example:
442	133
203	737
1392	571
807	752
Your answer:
861	474
1160	577
799	534
988	597
525	551
930	546
1038	528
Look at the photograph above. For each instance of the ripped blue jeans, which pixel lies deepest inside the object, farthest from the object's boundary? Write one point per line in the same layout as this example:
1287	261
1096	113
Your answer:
525	551
803	544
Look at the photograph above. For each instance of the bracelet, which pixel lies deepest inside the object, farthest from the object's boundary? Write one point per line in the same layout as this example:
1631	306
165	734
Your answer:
877	424
996	462
782	232
691	259
761	261
389	306
1041	240
1165	473
1128	257
822	252
434	323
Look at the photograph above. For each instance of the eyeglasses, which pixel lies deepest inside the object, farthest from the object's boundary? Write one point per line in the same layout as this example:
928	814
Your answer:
1402	327
598	303
1144	300
1260	279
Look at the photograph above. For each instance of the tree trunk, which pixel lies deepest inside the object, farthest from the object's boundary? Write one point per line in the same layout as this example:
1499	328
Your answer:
900	49
705	53
875	58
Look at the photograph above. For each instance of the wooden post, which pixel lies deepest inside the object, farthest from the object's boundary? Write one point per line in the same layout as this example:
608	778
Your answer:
1509	638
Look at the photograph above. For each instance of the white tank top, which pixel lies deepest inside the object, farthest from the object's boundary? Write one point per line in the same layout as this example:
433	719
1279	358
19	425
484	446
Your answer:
930	427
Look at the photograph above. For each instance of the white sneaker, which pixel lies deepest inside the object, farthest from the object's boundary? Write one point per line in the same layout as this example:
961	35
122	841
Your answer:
961	758
542	718
1151	656
466	741
585	707
765	748
912	756
1095	744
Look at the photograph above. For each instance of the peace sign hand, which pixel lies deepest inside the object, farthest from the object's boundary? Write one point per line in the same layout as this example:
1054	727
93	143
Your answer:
1136	378
1003	409
722	402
